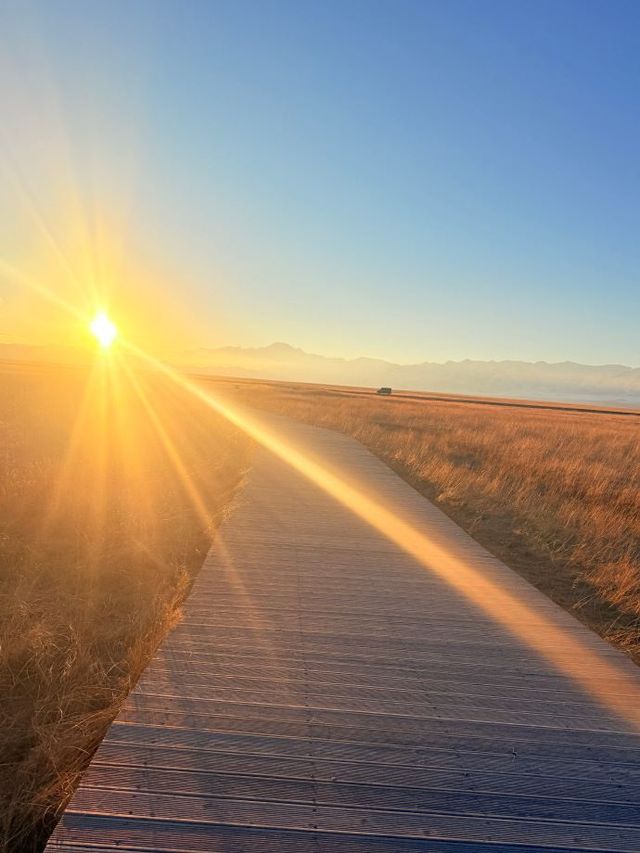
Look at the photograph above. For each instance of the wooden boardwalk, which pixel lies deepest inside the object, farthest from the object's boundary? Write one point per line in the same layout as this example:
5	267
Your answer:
326	693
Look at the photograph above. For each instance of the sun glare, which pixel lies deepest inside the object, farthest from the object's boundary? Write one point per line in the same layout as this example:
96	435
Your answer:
103	330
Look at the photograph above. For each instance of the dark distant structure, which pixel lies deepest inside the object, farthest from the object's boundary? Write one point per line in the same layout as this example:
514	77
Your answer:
385	392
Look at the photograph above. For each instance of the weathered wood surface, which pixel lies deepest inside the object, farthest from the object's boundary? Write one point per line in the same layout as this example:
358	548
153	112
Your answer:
325	692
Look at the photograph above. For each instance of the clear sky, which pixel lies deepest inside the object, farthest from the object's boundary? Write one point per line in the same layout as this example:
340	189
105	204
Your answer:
411	180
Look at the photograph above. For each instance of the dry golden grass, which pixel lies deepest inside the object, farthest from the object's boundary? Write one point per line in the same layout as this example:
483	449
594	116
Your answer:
554	494
100	537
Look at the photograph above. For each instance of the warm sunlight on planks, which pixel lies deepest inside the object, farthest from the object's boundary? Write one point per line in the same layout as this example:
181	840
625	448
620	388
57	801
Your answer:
600	678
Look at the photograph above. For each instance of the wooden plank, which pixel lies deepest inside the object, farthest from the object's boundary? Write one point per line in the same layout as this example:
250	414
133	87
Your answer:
334	793
118	756
325	692
164	736
314	815
130	834
425	739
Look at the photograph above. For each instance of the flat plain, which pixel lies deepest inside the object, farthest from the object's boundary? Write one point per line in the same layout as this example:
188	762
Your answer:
113	485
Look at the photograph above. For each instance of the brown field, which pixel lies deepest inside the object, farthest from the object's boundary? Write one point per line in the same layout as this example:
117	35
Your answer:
101	532
112	485
554	493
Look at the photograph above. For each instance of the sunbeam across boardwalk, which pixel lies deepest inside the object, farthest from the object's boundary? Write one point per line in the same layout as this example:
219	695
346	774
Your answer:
609	683
227	229
325	692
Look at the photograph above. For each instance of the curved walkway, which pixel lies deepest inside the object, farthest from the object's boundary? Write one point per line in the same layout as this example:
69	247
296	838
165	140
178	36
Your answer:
327	693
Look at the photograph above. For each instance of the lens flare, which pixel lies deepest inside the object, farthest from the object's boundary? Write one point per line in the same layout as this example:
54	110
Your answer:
103	330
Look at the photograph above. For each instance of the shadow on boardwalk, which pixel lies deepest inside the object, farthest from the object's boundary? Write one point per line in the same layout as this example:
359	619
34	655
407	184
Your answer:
327	692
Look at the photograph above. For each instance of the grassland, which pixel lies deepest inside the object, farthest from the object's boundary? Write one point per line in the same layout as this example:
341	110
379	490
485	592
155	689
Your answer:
110	487
553	493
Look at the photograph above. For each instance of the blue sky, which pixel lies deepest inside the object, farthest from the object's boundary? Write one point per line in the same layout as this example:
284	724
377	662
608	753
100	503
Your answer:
411	180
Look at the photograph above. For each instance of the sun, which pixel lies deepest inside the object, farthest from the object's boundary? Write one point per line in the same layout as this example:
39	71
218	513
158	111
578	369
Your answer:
103	330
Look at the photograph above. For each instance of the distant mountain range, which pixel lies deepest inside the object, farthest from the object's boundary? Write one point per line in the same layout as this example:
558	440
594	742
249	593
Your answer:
569	381
606	384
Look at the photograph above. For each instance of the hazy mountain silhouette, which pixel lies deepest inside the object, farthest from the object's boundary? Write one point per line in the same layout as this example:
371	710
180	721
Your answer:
610	383
567	380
